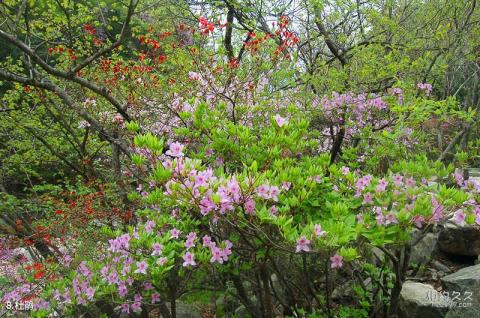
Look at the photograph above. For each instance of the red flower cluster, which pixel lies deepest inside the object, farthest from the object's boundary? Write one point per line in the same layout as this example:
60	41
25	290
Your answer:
206	27
89	29
255	42
61	50
233	63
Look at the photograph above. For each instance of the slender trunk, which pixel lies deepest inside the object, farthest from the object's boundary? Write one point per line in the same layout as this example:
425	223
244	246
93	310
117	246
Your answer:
268	308
242	293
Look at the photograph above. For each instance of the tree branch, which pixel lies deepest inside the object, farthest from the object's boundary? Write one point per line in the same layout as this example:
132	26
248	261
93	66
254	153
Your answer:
104	135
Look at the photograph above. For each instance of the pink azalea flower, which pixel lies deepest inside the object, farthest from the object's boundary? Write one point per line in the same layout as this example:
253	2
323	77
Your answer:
459	217
175	233
149	225
217	255
336	261
162	261
274	192
367	198
477	215
391	219
286	185
175	150
360	218
189	259
125	308
263	191
250	207
141	267
318	230
233	188
194	76
280	120
410	182
207	241
157	249
155	298
274	210
190	242
382	185
397	180
136	307
380	218
437	211
89	292
112	278
418	221
459	178
345	170
303	244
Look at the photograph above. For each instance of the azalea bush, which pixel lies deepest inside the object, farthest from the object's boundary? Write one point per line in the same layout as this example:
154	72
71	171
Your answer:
234	203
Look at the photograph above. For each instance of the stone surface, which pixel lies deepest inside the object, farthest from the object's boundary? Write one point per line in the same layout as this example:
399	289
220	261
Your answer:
460	240
185	310
419	300
466	312
423	250
439	266
465	282
345	293
242	312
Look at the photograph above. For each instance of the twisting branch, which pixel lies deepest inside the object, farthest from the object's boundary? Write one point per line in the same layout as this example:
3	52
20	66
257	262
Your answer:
72	74
332	46
228	33
49	86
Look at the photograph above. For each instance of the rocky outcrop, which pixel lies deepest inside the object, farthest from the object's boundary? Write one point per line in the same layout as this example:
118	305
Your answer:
464	286
423	250
419	300
460	240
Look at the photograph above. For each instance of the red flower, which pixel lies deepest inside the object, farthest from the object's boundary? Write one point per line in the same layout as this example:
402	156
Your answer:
89	29
39	274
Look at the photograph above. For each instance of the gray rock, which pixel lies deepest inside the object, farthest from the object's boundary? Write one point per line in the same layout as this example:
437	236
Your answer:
463	312
343	292
242	312
278	287
346	292
185	310
464	284
459	240
440	266
423	250
376	256
419	300
227	302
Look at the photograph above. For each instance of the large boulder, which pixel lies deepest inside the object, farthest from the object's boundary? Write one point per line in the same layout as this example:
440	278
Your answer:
464	286
419	300
184	310
463	312
460	240
423	250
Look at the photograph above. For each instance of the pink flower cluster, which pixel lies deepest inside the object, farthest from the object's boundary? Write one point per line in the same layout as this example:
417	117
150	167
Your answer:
427	88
